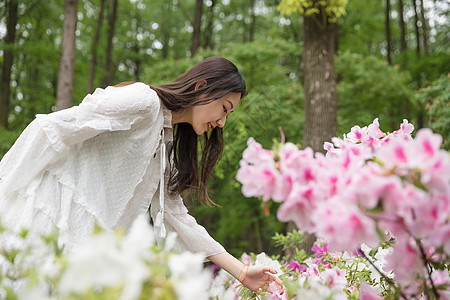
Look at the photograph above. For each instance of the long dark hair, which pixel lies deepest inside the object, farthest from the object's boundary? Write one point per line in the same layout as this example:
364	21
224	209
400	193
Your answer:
187	172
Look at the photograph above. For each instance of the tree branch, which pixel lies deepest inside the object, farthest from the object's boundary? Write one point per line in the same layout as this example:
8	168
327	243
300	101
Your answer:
388	280
428	267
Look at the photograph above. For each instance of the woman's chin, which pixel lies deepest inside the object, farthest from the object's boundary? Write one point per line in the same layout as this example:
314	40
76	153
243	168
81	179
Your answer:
200	132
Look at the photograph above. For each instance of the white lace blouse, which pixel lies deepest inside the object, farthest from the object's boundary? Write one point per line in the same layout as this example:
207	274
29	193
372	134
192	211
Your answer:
100	162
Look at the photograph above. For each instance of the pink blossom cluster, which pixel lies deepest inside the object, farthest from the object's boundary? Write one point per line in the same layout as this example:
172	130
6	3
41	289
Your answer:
369	185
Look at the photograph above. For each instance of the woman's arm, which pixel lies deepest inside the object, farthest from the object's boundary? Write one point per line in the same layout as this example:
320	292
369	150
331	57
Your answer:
254	278
194	238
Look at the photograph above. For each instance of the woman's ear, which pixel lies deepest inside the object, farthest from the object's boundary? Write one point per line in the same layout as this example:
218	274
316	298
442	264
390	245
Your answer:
200	84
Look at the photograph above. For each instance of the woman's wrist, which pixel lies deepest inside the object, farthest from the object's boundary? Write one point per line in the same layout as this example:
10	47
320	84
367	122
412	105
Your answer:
244	273
229	263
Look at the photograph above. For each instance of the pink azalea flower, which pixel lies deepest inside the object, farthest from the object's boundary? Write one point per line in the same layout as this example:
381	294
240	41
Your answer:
247	176
255	153
334	278
293	159
374	130
405	130
294	266
320	251
441	278
298	206
259	180
329	147
427	143
368	293
343	225
246	259
283	186
357	134
436	173
376	188
425	214
398	153
278	293
441	236
406	262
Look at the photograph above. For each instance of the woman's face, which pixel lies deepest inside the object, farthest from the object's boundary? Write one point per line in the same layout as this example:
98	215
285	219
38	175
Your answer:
203	118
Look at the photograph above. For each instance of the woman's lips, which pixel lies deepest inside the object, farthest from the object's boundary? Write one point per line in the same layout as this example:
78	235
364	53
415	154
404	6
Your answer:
210	126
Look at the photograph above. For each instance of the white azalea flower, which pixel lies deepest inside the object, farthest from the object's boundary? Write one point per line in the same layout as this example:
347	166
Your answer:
190	279
104	260
263	260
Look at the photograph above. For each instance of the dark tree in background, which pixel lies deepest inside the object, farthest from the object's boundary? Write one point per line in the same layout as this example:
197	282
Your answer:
319	35
110	66
416	27
320	103
388	32
424	28
319	83
401	21
8	57
67	66
197	27
208	33
94	46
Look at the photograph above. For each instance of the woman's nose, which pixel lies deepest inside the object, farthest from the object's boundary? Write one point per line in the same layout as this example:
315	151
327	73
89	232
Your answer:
221	122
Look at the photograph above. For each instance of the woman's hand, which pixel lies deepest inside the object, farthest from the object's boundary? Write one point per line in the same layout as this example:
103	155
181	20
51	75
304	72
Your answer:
259	277
255	278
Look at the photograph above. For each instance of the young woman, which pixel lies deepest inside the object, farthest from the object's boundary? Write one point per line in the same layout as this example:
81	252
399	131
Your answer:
122	149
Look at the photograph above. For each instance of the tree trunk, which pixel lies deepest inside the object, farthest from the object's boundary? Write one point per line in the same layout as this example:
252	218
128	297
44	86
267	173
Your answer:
109	67
403	48
137	63
319	84
98	28
416	26
251	34
8	57
388	31
197	27
209	27
403	44
165	27
67	66
335	28
424	28
319	89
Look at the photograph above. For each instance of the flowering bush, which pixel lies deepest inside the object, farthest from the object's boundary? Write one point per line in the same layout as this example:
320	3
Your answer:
379	204
324	275
370	186
108	265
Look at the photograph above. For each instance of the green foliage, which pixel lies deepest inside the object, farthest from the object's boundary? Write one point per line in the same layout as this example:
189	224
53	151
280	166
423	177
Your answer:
362	29
331	9
369	88
426	69
7	139
436	100
292	240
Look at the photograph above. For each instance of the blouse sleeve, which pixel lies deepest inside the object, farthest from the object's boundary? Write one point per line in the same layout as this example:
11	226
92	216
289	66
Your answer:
190	235
48	137
110	109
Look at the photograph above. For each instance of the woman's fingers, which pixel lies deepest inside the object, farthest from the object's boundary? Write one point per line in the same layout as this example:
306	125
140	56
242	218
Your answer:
273	277
266	288
269	269
277	280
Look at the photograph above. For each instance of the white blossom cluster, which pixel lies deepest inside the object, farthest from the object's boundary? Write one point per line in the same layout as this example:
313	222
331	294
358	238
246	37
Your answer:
106	265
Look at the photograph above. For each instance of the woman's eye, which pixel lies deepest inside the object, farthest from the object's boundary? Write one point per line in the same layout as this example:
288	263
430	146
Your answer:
225	110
